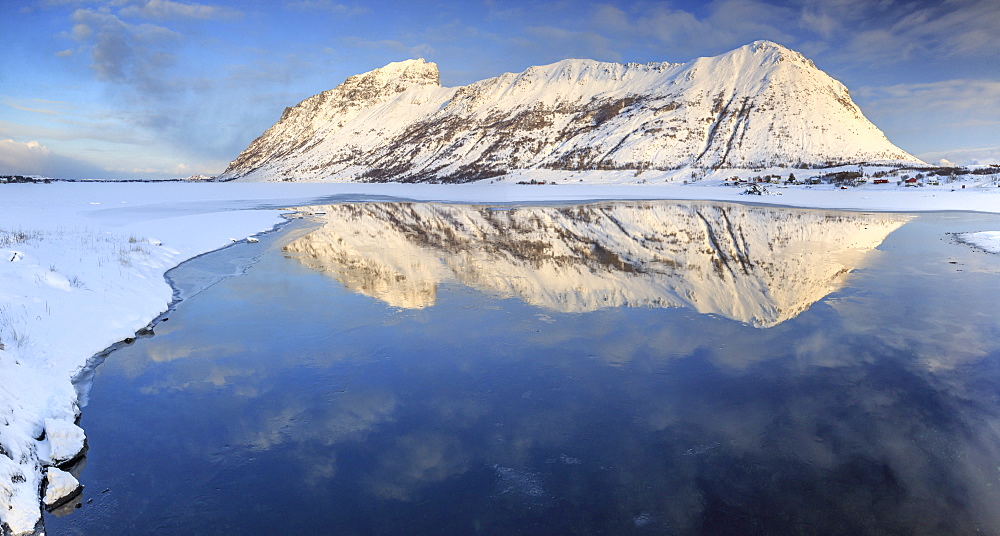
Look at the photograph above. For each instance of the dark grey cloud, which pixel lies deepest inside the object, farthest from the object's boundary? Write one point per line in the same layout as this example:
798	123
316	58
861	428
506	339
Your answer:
136	55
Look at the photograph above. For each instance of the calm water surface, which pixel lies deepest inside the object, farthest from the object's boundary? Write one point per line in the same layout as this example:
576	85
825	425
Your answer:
614	368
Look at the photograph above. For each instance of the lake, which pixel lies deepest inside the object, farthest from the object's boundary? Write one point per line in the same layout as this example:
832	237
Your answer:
604	368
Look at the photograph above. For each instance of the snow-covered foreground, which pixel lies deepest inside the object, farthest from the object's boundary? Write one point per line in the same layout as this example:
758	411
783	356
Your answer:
83	265
82	269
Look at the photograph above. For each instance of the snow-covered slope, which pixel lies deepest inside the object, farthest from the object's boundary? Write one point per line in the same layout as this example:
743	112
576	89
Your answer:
302	129
757	106
756	265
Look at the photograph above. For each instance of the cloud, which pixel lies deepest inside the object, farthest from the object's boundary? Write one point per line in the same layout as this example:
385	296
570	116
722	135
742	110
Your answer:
12	150
124	53
34	6
161	94
932	116
821	23
71	125
415	461
167	9
728	23
572	44
957	28
892	32
419	50
326	5
981	97
503	10
964	156
33	158
181	170
36	106
140	150
859	30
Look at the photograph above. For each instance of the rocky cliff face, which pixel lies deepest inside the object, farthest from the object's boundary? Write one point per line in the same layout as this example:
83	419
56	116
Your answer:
303	127
759	105
756	265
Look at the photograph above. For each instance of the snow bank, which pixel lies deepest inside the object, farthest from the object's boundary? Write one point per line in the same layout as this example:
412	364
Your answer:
59	487
83	265
984	240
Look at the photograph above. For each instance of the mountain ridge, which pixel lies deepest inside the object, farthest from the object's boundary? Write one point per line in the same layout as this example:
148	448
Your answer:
759	105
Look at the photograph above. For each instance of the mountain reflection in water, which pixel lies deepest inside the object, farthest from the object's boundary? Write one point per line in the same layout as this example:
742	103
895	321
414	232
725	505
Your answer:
756	265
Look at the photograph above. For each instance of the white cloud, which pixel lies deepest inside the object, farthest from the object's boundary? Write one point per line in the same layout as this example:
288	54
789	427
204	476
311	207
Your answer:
23	108
33	158
81	32
572	44
964	156
419	50
981	97
927	117
168	9
505	10
11	150
891	31
821	23
326	5
71	125
728	23
180	170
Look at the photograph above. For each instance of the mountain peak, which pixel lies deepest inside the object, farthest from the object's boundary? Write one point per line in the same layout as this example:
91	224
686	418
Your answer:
419	71
764	44
385	82
770	52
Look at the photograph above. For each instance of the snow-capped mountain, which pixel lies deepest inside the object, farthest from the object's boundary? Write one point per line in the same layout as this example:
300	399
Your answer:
759	105
756	265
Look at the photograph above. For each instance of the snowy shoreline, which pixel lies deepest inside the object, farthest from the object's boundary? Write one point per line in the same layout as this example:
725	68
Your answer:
85	265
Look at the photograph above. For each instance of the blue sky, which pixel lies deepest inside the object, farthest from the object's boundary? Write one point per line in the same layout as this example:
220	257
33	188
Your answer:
170	88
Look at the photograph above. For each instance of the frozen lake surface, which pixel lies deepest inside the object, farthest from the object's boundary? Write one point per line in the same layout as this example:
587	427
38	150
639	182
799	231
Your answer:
611	368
